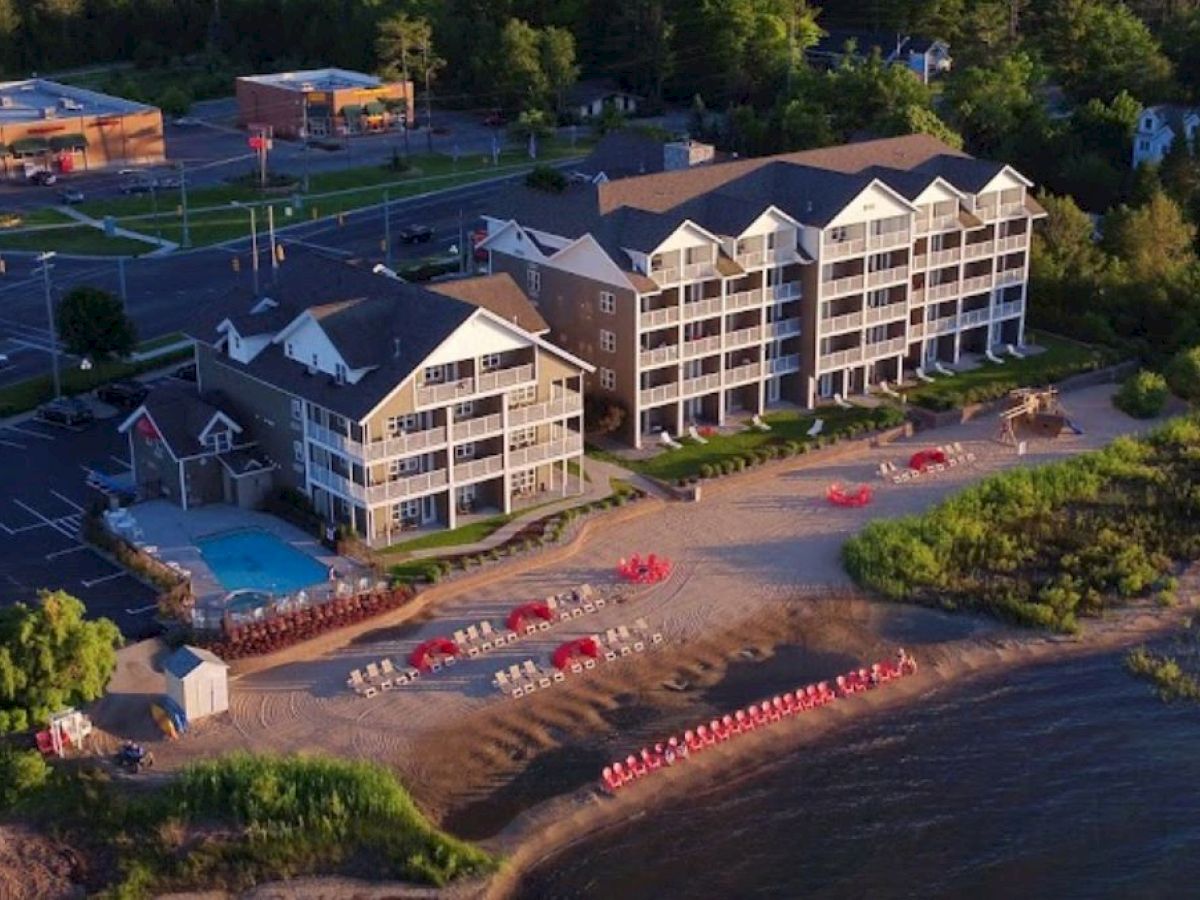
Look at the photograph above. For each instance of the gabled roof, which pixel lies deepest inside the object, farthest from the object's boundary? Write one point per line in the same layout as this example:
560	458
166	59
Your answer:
181	417
498	294
622	153
834	40
594	89
188	659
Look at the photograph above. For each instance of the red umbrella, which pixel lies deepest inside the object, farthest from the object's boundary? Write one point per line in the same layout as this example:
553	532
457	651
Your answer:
580	647
536	609
438	646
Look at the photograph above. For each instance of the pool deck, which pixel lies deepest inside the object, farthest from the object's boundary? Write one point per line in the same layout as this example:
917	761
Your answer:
176	533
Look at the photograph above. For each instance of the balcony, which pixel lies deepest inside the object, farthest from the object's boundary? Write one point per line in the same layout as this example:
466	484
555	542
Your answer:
476	469
702	346
743	337
942	291
702	309
983	248
488	382
567	446
742	374
657	318
403	488
404	444
916	295
569	404
1010	276
839	286
886	313
846	322
1012	242
974	317
890	347
938	223
920	260
840	249
1008	210
782	365
666	276
335	440
337	483
945	257
841	358
889	239
784	328
743	299
701	384
976	283
887	276
659	356
1007	310
789	290
664	393
916	331
693	271
476	428
944	325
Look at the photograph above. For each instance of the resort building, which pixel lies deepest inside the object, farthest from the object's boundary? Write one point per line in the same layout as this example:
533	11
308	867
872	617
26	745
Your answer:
323	102
393	406
730	287
47	125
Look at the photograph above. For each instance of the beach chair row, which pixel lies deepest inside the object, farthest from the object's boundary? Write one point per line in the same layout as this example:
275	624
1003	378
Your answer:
954	454
383	676
526	678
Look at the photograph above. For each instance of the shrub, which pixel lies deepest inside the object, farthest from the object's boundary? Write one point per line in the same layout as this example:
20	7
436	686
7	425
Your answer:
22	772
546	178
174	101
1183	374
603	416
1143	395
706	470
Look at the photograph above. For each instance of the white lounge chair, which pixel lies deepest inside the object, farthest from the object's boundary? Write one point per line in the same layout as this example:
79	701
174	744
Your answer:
355	681
472	634
841	401
1014	352
668	441
501	681
922	376
817	427
696	435
942	370
886	389
757	422
460	638
372	671
992	357
385	666
530	668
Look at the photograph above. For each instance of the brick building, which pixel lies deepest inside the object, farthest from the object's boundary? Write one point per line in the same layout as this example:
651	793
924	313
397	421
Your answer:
323	102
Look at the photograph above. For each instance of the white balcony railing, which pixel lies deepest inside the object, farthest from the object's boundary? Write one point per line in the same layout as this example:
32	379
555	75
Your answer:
782	365
983	248
477	427
889	347
569	404
666	276
335	440
656	318
404	444
1010	276
337	483
841	286
664	393
703	308
743	373
659	356
976	283
944	325
701	384
1006	310
942	291
839	249
565	446
886	313
916	295
937	223
887	276
920	260
1012	242
476	469
743	299
846	322
971	318
789	290
743	336
839	359
702	346
463	388
1007	210
784	328
889	239
916	330
945	257
698	270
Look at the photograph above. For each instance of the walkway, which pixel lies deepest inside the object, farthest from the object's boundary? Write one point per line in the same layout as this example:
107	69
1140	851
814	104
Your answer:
164	246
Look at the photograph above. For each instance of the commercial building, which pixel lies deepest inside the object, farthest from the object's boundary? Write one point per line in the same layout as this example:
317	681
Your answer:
323	102
46	125
730	287
392	406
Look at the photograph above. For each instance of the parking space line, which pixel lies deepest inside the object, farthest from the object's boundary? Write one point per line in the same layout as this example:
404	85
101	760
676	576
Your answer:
26	431
11	444
57	526
87	583
58	553
120	461
141	609
67	500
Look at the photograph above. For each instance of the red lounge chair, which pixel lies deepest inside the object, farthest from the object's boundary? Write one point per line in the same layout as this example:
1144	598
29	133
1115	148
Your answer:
732	728
652	760
636	766
705	735
694	744
619	773
756	715
612	779
826	694
744	722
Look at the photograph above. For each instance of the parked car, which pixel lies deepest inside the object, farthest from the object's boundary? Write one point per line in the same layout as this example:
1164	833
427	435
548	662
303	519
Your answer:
71	196
137	187
186	372
44	177
416	234
163	183
124	394
66	411
186	121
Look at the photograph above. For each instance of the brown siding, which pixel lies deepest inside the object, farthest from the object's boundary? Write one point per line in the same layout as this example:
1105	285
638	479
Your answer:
135	137
283	108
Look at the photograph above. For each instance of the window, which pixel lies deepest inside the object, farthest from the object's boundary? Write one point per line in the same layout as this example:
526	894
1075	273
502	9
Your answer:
876	333
465	451
398	468
339	370
877	298
1144	145
289	350
522	437
741	248
490	362
608	341
523	396
297	408
608	302
656	264
298	451
464	410
533	282
524	482
408	511
237	342
316	361
694	292
608	379
220	441
435	374
397	425
839	234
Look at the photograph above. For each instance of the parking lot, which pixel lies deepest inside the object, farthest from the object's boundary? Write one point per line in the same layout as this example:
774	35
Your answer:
43	494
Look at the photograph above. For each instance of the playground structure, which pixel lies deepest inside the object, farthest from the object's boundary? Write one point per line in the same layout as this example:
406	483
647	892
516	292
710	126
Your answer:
838	495
69	728
1036	410
650	570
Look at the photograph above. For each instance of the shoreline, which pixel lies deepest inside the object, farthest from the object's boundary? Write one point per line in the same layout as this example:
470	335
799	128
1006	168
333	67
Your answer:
553	827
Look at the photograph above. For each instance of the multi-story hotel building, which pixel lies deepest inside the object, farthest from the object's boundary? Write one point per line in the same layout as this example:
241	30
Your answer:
390	405
789	279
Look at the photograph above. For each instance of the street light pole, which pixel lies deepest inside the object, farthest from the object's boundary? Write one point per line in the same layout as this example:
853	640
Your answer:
44	259
387	228
253	241
271	240
304	144
186	237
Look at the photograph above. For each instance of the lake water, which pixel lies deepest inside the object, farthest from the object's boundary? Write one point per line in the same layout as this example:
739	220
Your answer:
1066	780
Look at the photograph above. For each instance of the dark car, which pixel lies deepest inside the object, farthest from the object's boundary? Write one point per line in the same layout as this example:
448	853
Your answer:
122	394
186	372
43	177
416	234
66	411
71	196
137	187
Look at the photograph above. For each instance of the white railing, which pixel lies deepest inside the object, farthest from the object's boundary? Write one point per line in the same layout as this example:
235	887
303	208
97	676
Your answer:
661	394
941	291
477	427
702	384
983	248
654	318
916	295
944	325
783	329
659	355
841	323
570	404
937	223
702	346
974	317
404	444
339	483
751	259
916	330
885	313
920	260
1012	242
1011	209
945	257
334	439
743	336
567	446
1010	276
403	488
445	393
841	358
842	286
780	255
889	239
489	382
665	276
1004	310
838	249
479	468
890	347
739	374
702	308
789	290
976	283
781	365
885	276
744	299
698	270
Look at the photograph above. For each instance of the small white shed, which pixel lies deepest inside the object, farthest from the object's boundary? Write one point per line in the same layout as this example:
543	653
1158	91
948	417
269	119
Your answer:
198	681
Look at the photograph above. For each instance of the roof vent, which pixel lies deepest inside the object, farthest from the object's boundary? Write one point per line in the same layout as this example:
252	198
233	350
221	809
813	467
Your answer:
396	348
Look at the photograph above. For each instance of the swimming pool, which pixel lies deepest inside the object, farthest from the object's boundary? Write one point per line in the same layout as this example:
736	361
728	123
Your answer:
258	560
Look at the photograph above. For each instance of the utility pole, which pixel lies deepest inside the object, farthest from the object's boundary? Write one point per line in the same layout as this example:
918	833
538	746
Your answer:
124	293
44	259
253	241
387	228
428	100
186	240
462	244
271	239
304	138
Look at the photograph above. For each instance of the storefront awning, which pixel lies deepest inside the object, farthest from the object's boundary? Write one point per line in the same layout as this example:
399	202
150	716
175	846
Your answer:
352	111
69	142
29	145
374	108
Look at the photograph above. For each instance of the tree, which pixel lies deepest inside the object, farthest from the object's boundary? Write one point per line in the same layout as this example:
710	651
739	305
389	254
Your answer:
1183	374
558	63
398	48
1101	49
914	119
51	658
93	323
21	773
1153	241
991	104
522	75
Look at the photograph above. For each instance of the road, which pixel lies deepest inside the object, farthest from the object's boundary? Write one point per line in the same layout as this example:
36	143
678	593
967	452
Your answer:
163	293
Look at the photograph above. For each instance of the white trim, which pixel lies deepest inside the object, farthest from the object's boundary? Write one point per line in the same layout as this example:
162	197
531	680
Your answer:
137	414
686	223
234	426
1007	170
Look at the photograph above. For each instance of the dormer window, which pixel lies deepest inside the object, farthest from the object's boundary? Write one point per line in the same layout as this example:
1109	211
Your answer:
489	362
339	370
316	361
289	350
220	441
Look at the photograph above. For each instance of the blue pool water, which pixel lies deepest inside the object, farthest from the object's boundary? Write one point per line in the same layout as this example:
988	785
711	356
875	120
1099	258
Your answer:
258	560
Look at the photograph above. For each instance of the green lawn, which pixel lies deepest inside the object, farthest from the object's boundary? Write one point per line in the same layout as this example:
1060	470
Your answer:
48	229
162	341
671	465
467	534
990	381
31	393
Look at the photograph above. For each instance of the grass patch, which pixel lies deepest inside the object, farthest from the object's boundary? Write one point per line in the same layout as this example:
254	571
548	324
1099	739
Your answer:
165	340
31	393
465	534
1163	671
990	381
1046	546
48	229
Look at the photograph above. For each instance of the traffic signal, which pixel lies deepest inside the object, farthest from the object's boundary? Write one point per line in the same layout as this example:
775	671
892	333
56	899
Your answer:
3	266
236	263
279	254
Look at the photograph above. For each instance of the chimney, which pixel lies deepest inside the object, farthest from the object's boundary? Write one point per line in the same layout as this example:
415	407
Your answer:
685	154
